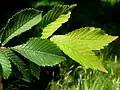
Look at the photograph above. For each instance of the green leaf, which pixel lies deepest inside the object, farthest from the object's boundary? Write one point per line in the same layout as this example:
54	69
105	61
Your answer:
53	26
5	63
35	70
21	66
54	19
41	52
19	23
79	45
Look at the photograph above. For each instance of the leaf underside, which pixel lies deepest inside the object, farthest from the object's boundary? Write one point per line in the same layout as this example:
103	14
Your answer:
79	45
41	52
19	23
53	26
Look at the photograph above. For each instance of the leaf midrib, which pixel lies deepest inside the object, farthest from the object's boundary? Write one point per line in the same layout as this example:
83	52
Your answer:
22	49
82	54
17	29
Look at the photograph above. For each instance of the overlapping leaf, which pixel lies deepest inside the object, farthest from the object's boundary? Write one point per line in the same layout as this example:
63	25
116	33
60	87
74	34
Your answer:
21	66
80	43
35	70
19	23
41	52
52	27
54	19
91	38
5	63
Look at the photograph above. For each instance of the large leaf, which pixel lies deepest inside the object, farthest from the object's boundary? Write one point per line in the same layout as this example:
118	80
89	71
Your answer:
80	43
41	52
1	33
5	63
21	66
54	19
19	23
91	38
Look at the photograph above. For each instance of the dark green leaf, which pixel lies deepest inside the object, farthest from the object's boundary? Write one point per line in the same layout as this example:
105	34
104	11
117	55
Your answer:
5	63
19	23
41	52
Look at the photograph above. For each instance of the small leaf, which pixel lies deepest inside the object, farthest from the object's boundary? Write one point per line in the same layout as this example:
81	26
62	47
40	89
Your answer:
79	45
41	52
54	19
1	33
19	23
5	63
52	27
35	70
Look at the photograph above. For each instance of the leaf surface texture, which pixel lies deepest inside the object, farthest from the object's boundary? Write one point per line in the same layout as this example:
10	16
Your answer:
5	63
40	51
79	45
19	23
52	20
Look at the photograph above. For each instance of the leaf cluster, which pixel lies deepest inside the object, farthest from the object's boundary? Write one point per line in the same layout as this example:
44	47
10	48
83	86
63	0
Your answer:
43	49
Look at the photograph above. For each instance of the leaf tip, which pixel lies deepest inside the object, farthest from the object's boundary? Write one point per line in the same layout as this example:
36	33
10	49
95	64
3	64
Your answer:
116	37
103	70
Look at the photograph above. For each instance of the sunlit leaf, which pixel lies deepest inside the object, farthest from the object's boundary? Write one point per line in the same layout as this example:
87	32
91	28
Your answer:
5	63
79	45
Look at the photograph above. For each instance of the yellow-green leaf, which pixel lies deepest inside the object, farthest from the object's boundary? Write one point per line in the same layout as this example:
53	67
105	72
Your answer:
79	45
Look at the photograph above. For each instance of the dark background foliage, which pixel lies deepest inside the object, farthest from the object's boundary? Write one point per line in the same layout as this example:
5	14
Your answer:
94	13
